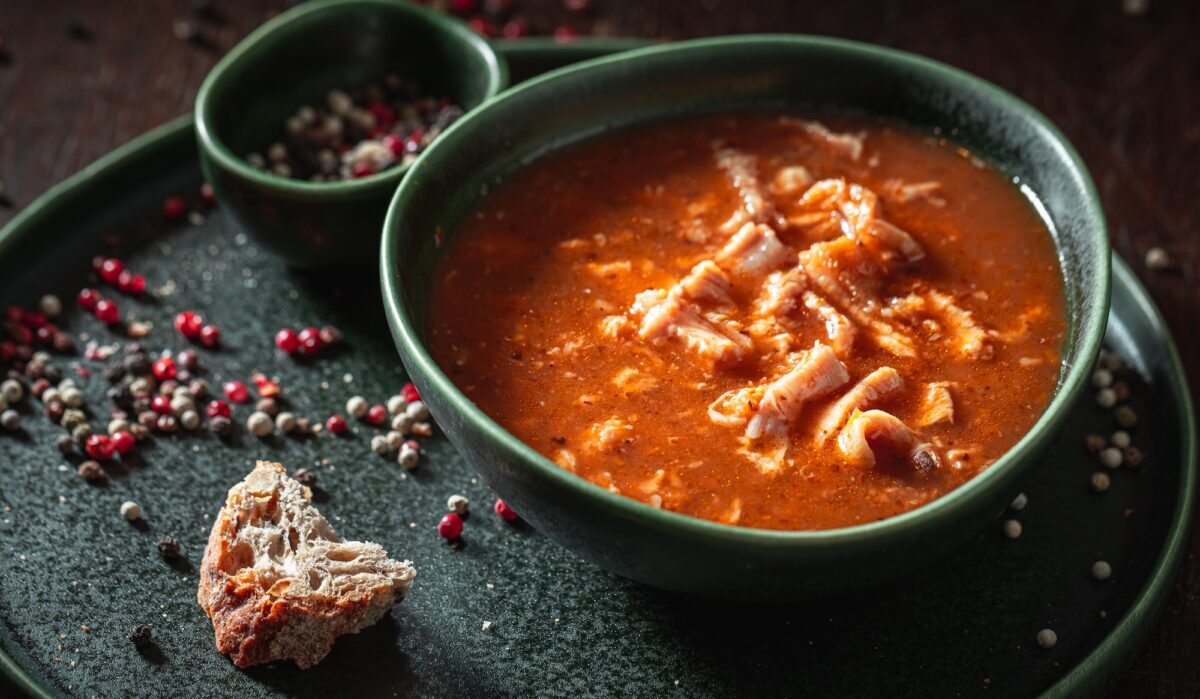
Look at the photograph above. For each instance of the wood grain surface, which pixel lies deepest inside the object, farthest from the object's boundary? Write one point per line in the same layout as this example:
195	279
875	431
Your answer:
1121	79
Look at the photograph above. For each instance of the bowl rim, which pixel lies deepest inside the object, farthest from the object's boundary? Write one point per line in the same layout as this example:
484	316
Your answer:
279	27
942	510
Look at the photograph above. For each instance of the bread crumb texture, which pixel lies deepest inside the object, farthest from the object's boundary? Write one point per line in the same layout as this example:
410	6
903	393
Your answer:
280	584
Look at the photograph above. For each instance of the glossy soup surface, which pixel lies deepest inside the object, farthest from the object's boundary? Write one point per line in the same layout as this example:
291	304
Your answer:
758	319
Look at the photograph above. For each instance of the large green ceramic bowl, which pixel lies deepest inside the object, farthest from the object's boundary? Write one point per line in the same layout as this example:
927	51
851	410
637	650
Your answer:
674	551
295	59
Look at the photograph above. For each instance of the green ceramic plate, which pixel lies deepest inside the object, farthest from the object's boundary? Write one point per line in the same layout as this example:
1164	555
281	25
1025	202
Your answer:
560	626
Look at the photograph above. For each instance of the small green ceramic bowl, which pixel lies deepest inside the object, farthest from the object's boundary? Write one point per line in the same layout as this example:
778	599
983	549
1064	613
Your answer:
667	549
296	59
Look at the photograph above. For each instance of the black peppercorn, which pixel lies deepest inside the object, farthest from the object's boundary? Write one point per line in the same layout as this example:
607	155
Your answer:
220	425
91	471
141	635
305	477
114	372
137	364
168	547
53	374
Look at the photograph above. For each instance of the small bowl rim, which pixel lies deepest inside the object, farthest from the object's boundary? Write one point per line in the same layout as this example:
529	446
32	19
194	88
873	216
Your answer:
215	147
940	511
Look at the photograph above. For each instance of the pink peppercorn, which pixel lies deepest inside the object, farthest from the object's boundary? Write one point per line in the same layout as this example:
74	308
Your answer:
450	527
236	391
207	195
123	442
565	33
88	298
130	283
107	311
395	144
329	335
46	333
174	208
463	8
188	323
362	169
506	513
336	424
33	319
99	447
161	405
482	26
515	28
217	408
409	393
98	262
377	414
164	369
110	270
310	341
287	340
14	314
210	336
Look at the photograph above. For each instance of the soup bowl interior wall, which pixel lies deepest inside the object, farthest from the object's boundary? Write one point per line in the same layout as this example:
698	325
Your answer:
765	72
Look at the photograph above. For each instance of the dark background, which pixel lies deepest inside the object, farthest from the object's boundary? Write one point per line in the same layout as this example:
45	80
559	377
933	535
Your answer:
1121	79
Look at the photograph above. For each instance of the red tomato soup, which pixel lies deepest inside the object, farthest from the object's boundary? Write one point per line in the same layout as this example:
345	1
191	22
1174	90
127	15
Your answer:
762	320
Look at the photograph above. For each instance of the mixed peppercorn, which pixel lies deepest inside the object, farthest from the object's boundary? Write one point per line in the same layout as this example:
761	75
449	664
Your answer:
358	133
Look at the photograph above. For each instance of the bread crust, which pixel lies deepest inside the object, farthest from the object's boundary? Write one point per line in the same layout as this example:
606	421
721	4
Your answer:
279	584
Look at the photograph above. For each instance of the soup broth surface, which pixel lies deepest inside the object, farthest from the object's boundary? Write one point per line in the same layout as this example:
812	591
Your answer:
759	319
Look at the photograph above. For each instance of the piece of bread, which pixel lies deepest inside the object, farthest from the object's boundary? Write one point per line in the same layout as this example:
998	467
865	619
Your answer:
280	584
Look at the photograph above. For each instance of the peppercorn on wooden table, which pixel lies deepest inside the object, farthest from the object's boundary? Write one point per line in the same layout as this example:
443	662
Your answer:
1124	106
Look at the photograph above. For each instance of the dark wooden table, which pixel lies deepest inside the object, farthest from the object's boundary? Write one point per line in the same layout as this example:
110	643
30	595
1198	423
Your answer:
1122	80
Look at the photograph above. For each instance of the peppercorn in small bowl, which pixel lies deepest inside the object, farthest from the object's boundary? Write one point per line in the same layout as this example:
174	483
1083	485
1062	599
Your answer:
308	125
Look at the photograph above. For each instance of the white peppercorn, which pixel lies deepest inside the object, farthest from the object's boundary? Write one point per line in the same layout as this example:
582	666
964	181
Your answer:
1158	259
1101	570
409	457
12	390
357	406
72	417
417	410
1012	529
72	397
1125	416
50	305
1106	398
1019	502
1102	378
458	504
1100	481
10	420
1121	439
51	395
395	439
131	511
286	422
395	404
182	404
189	419
1111	457
1046	638
118	425
380	445
259	424
402	423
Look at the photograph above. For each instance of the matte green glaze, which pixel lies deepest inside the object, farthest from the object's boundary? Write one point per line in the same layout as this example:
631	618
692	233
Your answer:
295	59
666	549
